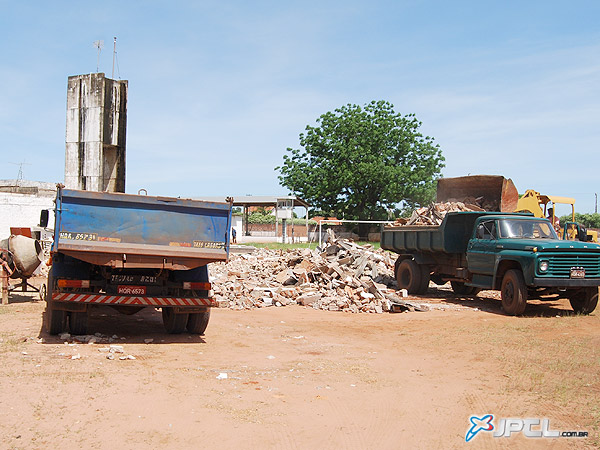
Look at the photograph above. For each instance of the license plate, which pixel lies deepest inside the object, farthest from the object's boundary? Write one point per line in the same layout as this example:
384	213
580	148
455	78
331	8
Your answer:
577	272
131	290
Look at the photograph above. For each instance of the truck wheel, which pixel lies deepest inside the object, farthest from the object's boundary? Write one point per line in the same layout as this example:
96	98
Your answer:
42	292
425	277
198	322
584	301
78	322
408	276
460	288
56	319
514	293
174	323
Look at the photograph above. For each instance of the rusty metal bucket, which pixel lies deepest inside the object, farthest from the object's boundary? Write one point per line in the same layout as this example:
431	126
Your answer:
492	192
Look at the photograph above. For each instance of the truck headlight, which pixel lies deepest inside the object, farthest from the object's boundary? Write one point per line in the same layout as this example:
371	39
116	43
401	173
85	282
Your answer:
543	266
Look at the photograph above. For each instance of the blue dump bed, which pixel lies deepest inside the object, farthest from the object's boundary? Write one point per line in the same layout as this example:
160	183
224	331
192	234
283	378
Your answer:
138	231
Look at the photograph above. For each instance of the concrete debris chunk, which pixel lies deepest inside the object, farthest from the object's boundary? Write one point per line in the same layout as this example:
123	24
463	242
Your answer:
308	298
434	214
286	277
339	276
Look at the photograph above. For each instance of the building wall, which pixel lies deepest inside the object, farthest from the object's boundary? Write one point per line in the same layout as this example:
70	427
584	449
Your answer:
20	210
95	139
237	223
21	202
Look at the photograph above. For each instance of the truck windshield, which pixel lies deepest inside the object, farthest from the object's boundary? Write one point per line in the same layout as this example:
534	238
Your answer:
528	229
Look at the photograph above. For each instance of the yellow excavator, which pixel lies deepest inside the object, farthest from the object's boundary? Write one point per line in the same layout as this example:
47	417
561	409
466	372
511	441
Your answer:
544	206
496	193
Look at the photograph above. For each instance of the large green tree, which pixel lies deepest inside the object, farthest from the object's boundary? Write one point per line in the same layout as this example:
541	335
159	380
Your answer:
360	162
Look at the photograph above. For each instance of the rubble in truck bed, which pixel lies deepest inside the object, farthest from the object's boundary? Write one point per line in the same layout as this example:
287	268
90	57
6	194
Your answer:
435	213
342	276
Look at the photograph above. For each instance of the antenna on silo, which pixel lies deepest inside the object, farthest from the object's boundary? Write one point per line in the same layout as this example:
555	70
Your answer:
114	54
99	45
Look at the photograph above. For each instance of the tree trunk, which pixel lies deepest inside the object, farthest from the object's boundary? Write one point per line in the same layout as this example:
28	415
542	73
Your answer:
363	231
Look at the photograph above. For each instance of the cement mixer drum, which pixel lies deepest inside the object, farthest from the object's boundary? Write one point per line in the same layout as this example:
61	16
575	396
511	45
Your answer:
27	254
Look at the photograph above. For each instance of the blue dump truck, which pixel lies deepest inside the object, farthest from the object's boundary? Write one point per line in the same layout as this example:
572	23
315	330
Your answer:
517	254
131	252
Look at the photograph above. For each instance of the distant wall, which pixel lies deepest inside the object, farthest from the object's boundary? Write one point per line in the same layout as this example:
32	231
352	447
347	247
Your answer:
236	222
300	232
21	202
21	210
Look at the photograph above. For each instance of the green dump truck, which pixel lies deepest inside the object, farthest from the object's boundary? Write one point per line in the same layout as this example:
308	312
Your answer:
515	253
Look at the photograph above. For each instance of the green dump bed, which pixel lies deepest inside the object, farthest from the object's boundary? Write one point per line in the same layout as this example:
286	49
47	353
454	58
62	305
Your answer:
451	236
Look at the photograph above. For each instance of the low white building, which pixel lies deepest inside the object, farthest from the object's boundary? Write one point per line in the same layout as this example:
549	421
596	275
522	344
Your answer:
21	203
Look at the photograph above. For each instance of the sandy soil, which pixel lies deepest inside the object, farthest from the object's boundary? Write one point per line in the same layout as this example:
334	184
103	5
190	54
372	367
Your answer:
298	378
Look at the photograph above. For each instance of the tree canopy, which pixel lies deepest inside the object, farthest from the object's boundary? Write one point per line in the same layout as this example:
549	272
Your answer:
591	220
360	162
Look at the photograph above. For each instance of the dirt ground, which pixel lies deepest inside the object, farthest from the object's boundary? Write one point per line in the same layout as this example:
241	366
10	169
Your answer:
299	378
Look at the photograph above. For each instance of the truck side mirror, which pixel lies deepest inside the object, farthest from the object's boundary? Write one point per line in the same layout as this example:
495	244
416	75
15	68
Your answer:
44	218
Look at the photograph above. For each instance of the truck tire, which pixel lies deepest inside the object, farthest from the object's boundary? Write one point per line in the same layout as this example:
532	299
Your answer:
197	322
460	288
409	277
56	319
174	323
514	293
425	278
585	300
42	292
78	323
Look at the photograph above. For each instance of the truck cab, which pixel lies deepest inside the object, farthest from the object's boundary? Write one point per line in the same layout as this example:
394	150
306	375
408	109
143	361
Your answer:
523	257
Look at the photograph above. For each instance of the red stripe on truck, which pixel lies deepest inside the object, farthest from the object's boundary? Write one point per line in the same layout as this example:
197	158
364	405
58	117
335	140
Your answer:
126	300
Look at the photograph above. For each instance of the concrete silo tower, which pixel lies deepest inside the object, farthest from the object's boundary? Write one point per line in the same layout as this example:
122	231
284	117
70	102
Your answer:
96	131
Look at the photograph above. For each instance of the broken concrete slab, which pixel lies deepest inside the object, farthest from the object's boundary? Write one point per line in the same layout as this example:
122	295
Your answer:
342	276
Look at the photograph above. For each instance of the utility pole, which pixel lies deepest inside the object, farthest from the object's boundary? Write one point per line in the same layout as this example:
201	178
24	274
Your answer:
596	206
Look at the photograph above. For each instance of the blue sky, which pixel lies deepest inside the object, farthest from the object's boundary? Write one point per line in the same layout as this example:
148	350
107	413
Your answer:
218	90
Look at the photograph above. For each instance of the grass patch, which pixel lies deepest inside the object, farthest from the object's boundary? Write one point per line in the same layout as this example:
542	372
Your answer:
550	360
11	344
5	310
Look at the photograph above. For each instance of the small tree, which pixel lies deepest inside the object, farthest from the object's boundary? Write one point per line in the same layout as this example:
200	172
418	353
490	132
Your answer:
360	162
591	220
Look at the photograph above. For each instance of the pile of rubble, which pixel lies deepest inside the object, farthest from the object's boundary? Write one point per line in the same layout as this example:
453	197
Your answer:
341	276
435	213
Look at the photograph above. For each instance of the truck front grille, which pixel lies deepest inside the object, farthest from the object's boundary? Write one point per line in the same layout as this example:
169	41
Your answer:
560	265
